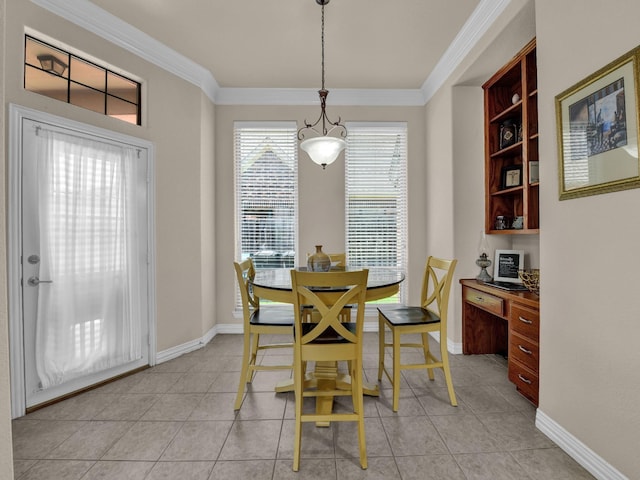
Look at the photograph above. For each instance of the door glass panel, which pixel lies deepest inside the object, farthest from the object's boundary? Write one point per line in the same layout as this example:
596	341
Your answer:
84	215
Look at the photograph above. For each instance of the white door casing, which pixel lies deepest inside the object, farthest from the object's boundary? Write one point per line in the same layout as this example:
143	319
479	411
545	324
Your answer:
21	294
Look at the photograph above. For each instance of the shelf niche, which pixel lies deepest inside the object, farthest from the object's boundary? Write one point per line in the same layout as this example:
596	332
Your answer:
511	142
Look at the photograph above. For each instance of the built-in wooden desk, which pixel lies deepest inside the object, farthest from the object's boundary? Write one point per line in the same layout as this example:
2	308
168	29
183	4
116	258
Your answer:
504	322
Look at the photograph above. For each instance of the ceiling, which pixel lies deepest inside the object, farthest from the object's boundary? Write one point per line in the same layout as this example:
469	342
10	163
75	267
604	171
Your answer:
369	44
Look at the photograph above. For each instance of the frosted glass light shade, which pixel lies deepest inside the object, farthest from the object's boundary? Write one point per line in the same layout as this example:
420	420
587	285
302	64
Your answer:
323	150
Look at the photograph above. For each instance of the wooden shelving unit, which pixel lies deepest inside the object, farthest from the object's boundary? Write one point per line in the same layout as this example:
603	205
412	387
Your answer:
511	142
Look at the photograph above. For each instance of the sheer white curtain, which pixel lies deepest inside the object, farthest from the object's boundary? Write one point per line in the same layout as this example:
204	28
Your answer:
88	317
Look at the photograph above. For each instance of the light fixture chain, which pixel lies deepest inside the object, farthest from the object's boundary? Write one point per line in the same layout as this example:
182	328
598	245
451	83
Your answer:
322	39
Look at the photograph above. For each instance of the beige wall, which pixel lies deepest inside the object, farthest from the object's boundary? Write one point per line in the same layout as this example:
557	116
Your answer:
589	355
207	213
320	194
6	451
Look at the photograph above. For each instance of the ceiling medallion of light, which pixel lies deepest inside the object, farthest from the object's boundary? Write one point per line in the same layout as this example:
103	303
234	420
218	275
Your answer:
323	148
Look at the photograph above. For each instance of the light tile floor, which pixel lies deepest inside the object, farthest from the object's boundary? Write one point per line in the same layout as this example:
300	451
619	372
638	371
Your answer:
176	421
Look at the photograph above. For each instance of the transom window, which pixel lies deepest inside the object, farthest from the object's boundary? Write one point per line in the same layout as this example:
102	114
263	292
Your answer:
58	74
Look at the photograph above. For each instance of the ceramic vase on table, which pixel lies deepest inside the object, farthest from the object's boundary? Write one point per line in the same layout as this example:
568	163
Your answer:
319	261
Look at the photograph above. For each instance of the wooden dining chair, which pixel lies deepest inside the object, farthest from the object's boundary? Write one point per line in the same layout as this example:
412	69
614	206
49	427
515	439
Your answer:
257	321
328	340
430	316
338	262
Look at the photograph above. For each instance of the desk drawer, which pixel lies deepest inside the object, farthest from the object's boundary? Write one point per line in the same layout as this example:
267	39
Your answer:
524	351
525	380
525	321
485	301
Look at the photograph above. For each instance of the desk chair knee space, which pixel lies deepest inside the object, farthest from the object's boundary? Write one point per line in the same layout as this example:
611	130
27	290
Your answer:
430	316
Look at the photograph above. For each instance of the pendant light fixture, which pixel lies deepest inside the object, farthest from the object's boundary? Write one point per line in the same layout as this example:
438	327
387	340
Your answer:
323	148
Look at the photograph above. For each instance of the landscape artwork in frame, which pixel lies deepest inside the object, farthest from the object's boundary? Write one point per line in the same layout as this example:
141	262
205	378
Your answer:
598	123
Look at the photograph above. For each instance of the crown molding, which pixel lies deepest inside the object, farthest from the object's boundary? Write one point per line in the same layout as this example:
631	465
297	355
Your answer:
471	32
115	30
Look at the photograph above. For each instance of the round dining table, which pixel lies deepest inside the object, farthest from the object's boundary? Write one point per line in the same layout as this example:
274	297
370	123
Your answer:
275	285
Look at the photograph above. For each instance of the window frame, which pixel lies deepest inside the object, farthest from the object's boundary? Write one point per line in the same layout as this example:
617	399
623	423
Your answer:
67	77
288	148
355	153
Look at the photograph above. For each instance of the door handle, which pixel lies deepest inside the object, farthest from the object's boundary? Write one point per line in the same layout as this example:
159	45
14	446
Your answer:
35	281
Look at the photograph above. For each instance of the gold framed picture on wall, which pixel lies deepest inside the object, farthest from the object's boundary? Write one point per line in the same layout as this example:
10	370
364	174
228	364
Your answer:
597	124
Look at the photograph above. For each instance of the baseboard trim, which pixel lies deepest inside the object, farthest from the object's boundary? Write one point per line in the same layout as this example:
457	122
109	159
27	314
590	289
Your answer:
577	450
237	328
178	350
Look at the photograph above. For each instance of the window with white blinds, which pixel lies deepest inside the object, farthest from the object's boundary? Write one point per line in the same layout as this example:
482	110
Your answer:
266	181
376	195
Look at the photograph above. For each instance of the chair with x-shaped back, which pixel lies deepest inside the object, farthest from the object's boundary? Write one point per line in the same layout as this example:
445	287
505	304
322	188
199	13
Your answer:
328	340
430	316
271	319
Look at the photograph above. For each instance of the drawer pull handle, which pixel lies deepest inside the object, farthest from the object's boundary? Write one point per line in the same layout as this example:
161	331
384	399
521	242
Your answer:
524	379
480	299
524	320
522	349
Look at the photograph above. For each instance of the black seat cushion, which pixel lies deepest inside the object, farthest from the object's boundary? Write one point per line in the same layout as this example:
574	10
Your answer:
402	315
273	315
329	335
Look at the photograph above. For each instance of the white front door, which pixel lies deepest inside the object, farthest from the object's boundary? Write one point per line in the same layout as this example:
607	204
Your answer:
84	259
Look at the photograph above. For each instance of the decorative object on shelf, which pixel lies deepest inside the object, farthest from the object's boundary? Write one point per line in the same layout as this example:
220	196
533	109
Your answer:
511	176
534	175
597	128
531	280
515	99
319	261
323	149
520	133
508	133
518	223
502	222
483	260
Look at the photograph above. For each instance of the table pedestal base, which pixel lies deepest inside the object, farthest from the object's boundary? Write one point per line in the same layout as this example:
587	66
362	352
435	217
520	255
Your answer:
326	377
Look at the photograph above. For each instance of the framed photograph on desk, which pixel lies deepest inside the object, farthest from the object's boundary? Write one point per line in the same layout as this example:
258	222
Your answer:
507	264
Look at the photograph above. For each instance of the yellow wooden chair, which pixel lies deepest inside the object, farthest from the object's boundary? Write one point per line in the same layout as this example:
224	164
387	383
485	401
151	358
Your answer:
328	341
338	262
276	319
430	316
338	259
